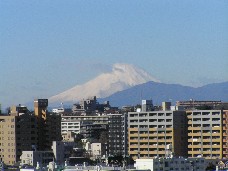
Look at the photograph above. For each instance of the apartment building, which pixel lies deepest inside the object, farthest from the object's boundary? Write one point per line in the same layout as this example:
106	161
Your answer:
85	125
151	132
17	133
86	106
225	134
191	104
117	134
205	133
70	126
169	164
33	157
48	125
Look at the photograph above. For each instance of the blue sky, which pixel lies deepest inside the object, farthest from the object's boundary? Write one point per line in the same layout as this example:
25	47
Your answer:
49	46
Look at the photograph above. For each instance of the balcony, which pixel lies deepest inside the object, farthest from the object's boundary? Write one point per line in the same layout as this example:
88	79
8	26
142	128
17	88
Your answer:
133	129
206	139
169	134
144	140
153	152
194	134
144	152
161	135
216	134
143	135
133	146
216	152
152	129
153	146
152	140
161	152
195	146
133	152
196	128
206	146
215	146
161	146
161	140
169	140
206	134
216	128
216	140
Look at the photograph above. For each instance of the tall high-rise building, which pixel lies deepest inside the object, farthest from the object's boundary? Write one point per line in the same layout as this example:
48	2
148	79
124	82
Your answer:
40	108
25	131
48	125
117	134
17	133
157	134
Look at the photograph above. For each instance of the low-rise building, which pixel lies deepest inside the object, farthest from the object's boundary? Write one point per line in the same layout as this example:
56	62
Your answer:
169	164
32	157
96	149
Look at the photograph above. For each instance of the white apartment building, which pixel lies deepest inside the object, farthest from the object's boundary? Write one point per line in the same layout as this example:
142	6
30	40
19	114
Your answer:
82	124
96	149
32	157
171	164
70	126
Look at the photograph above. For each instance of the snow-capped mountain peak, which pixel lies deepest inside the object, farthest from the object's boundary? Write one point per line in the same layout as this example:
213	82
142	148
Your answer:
122	76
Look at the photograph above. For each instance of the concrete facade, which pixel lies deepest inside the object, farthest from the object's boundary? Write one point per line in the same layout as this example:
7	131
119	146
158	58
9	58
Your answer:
168	164
205	134
17	133
225	134
149	133
48	125
32	157
96	149
70	126
88	124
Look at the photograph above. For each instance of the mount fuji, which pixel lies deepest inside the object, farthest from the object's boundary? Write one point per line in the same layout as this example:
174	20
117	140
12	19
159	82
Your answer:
122	77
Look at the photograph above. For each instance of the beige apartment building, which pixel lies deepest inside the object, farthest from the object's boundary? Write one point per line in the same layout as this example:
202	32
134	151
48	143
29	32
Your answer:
205	133
225	134
154	134
25	131
17	133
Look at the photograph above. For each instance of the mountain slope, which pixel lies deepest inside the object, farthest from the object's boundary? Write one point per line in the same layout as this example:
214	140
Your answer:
123	76
159	92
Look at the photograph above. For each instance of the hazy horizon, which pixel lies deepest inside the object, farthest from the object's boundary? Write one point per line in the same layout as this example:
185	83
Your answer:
47	47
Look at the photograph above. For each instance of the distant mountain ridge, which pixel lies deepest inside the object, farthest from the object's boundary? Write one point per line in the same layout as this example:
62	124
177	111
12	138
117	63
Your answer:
122	76
159	92
128	85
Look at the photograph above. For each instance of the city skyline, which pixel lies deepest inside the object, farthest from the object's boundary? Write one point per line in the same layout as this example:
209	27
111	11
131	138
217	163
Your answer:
48	47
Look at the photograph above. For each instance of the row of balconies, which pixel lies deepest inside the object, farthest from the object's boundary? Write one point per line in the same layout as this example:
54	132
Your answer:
155	129
146	152
204	140
203	146
203	134
146	140
199	152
